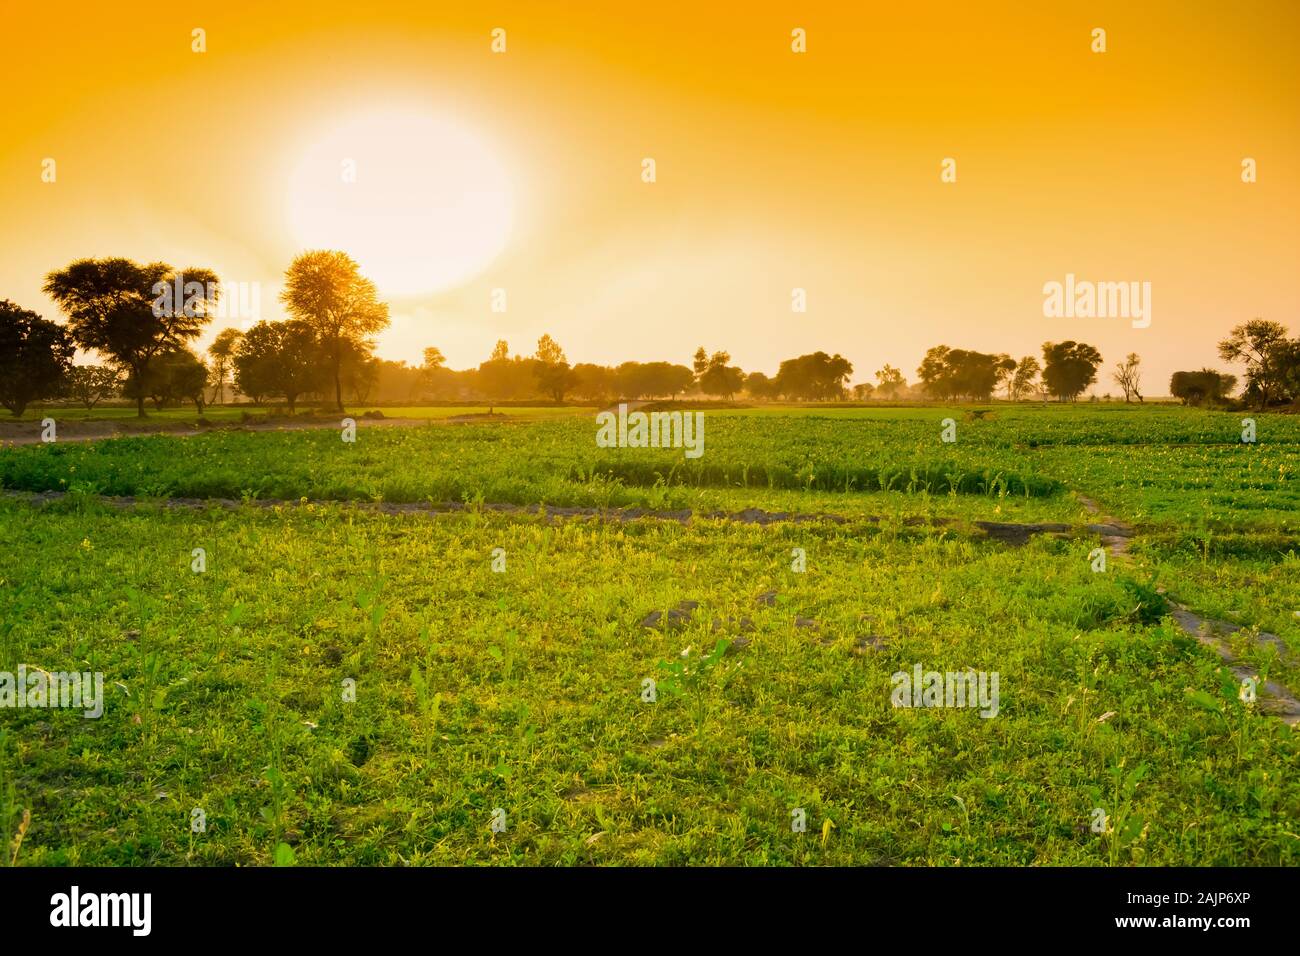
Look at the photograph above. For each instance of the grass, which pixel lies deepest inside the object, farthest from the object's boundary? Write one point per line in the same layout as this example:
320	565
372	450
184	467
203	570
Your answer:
524	690
229	698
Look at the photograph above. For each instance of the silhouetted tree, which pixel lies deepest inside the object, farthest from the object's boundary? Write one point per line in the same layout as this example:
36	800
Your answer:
554	376
128	312
957	373
1004	370
1262	347
1196	388
172	376
35	357
91	384
593	382
889	382
719	378
1022	381
700	363
760	386
816	377
1127	377
1069	368
222	351
282	359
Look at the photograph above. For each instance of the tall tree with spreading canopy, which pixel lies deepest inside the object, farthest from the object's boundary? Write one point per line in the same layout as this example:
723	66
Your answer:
35	357
817	376
1207	385
1261	346
719	378
127	312
1069	368
326	290
959	373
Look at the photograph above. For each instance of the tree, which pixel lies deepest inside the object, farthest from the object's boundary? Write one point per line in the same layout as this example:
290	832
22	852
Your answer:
593	382
188	377
666	379
553	373
862	391
1004	369
760	386
126	311
935	374
327	291
1207	385
279	359
1262	347
504	378
222	351
1127	377
957	373
889	382
432	375
1069	368
1022	381
91	384
648	379
433	358
174	375
815	377
35	357
720	379
360	371
700	363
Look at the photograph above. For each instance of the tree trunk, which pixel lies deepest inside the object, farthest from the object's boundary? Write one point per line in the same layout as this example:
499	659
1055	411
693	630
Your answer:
338	377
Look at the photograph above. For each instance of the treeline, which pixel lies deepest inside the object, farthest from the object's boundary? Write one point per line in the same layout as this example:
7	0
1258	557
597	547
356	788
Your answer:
124	311
323	352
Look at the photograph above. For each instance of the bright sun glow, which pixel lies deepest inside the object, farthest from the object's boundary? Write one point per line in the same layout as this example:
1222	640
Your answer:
430	206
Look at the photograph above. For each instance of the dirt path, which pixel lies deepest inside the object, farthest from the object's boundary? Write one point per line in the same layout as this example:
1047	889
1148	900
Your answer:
684	515
1115	534
1274	699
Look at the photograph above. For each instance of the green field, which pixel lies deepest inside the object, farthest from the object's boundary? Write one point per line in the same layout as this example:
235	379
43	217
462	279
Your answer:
522	689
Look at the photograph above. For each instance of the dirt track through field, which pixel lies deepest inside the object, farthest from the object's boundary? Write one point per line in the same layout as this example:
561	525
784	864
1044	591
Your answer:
1274	699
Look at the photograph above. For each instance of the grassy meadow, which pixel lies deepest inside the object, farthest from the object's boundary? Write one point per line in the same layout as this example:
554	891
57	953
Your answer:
500	654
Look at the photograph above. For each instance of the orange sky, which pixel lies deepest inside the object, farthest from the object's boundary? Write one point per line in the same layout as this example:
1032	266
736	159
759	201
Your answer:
775	170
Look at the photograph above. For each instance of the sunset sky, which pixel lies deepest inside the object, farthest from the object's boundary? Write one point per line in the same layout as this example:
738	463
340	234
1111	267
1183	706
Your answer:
775	170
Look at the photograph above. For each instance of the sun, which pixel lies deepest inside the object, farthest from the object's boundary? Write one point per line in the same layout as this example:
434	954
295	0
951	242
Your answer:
421	203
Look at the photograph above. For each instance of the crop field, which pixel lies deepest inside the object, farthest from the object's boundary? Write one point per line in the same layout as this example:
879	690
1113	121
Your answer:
494	642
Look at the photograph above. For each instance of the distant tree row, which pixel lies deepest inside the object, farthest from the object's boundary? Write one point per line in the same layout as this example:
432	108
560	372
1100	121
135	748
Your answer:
324	350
